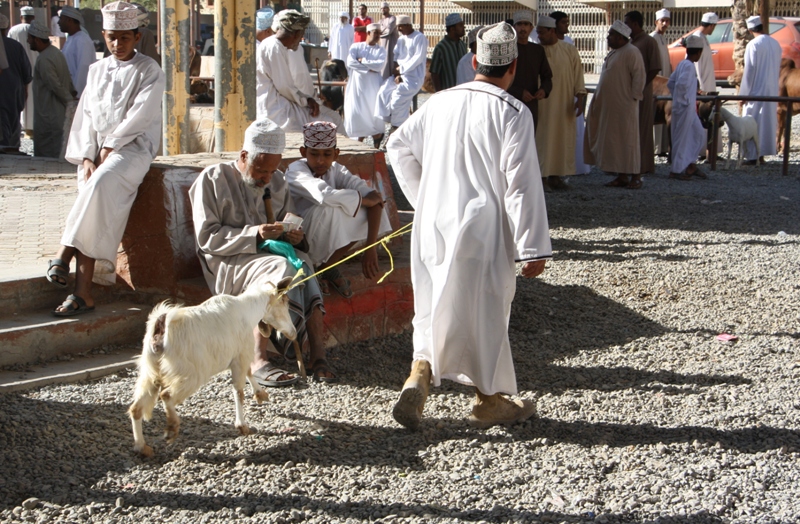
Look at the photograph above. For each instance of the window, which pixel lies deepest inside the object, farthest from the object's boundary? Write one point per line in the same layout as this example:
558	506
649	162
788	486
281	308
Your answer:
719	34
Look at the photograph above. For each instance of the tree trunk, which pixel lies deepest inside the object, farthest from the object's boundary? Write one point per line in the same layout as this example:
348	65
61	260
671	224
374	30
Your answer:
740	10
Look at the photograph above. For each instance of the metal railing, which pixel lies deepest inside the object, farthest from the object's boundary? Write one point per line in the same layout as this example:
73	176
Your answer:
720	99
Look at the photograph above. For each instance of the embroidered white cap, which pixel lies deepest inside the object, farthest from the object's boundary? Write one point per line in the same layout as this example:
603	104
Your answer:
71	12
523	16
403	20
373	27
120	16
319	135
39	30
621	28
753	21
497	45
663	13
264	136
452	19
344	14
26	11
710	18
546	21
693	42
264	18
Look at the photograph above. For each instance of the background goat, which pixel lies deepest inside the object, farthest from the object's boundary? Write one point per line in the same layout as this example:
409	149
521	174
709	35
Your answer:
740	130
185	346
788	85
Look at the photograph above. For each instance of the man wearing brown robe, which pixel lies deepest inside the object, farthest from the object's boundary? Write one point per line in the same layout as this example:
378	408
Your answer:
534	78
611	140
651	55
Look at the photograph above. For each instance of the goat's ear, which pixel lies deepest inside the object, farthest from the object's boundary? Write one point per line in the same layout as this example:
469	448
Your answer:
264	329
284	283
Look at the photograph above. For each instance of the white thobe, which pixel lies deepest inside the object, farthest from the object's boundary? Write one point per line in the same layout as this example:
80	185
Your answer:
464	71
80	54
20	33
341	39
331	208
394	100
226	214
283	87
581	168
688	135
465	163
120	109
705	66
762	66
660	138
362	90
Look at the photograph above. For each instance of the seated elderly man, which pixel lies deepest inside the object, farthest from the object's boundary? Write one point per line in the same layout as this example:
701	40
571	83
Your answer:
234	208
284	89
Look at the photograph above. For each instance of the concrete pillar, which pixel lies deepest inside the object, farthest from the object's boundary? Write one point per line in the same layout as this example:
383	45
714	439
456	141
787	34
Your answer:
174	42
234	72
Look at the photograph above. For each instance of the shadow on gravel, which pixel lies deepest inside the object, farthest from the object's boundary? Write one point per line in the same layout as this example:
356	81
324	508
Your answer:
614	251
271	506
727	202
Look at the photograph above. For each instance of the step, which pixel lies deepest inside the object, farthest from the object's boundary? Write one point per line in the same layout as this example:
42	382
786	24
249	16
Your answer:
31	291
27	337
73	369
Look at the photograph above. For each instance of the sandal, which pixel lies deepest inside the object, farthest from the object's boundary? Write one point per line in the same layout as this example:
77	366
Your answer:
331	276
698	173
319	369
73	305
618	183
57	273
635	184
269	376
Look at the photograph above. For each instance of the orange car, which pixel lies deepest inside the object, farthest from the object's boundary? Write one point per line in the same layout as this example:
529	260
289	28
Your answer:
785	30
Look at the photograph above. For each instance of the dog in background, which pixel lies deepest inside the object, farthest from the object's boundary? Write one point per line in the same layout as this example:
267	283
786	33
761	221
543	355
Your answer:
185	346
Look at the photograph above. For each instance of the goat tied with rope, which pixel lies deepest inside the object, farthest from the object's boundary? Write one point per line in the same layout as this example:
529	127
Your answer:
741	129
185	346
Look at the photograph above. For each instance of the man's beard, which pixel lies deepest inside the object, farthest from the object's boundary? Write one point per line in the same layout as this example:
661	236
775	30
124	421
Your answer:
252	184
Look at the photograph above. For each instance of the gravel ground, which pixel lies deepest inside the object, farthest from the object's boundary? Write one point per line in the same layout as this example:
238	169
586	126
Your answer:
644	416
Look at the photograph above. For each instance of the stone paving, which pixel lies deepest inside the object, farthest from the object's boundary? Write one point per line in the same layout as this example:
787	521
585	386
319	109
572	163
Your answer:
36	195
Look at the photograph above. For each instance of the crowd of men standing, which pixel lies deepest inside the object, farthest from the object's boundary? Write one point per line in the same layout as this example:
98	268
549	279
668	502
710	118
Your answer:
47	73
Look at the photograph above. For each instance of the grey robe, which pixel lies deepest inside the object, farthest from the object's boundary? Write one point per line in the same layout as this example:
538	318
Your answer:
226	215
52	90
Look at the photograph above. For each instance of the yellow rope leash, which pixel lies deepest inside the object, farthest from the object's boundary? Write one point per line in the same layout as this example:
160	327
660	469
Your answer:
383	242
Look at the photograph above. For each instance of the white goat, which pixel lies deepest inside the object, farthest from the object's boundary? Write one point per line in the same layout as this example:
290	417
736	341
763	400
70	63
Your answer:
740	130
185	346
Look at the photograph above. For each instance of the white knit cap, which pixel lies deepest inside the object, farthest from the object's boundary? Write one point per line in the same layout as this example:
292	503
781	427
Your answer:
3	21
120	16
319	135
264	136
403	19
452	19
373	27
754	21
710	18
693	42
264	18
523	16
344	14
26	11
546	21
39	30
663	13
621	28
71	12
384	4
497	45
